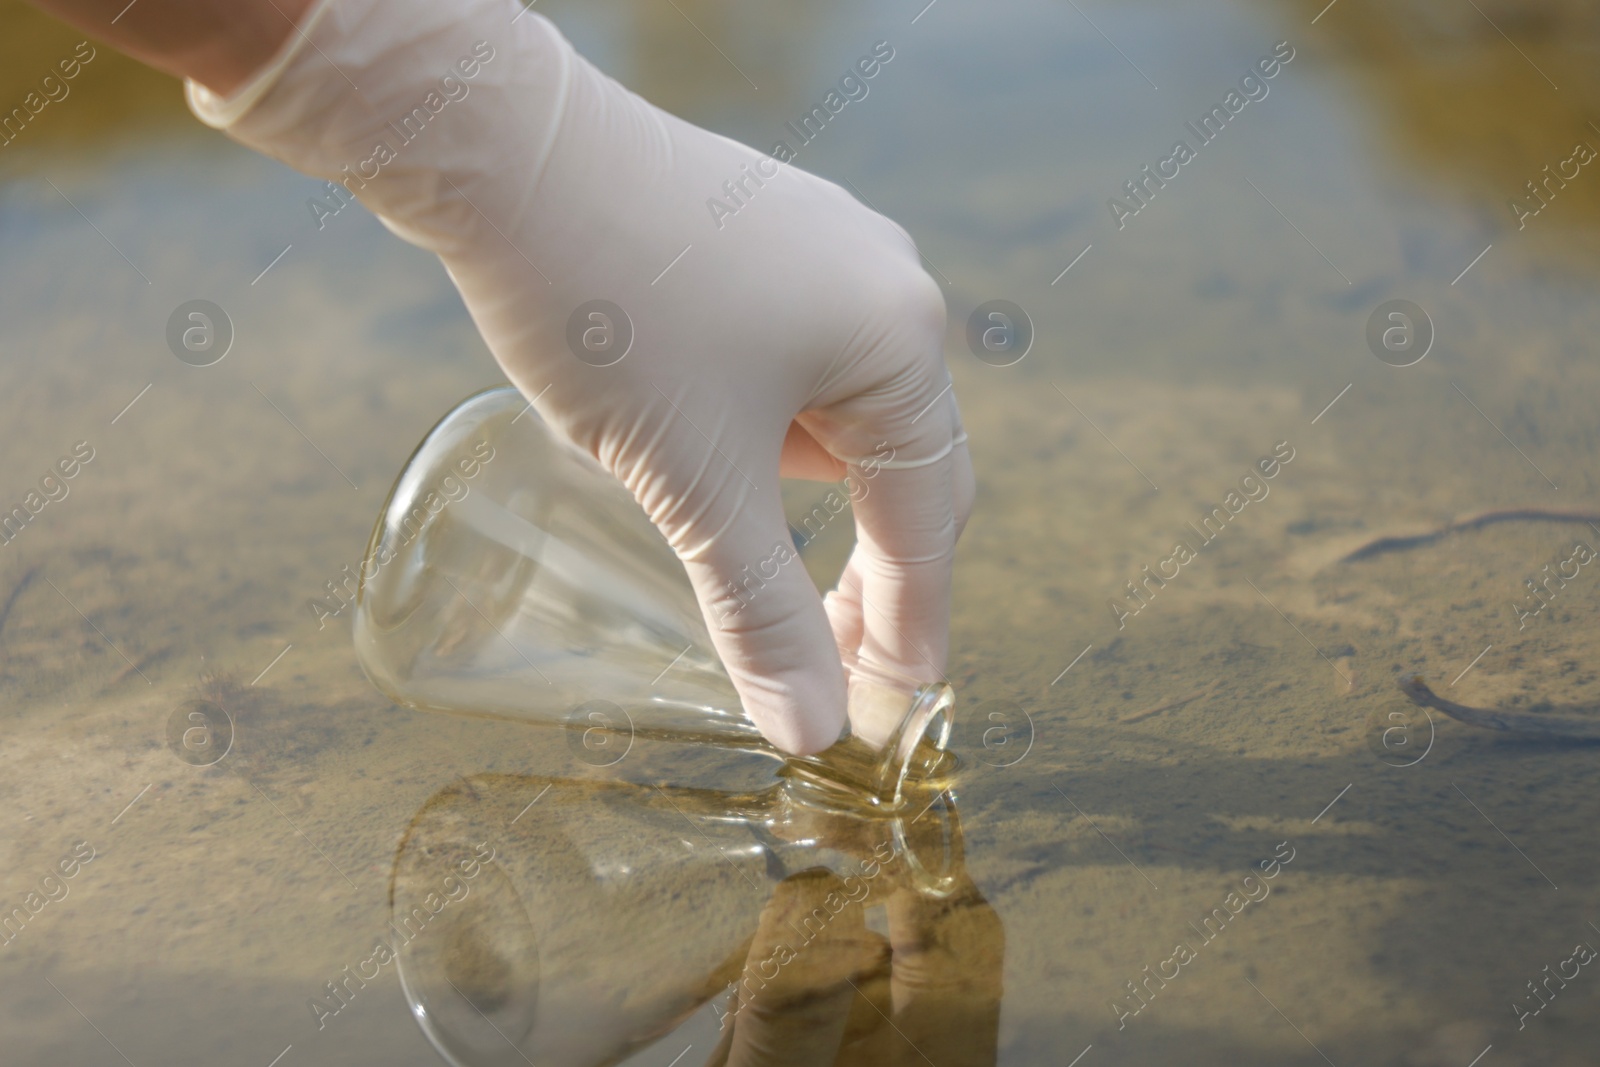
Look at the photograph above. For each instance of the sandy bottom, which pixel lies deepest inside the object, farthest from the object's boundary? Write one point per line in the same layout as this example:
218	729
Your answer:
1247	710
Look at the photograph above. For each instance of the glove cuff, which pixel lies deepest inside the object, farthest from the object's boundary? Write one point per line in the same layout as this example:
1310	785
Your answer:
418	108
220	112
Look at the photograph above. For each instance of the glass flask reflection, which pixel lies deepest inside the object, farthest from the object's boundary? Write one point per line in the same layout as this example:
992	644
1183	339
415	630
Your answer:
509	575
576	932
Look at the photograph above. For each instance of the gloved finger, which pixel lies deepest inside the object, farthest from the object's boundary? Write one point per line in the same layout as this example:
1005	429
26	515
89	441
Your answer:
765	617
843	603
906	535
906	528
890	415
963	483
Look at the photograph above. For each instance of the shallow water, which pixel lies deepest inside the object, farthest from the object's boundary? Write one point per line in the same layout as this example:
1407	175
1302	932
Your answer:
1125	770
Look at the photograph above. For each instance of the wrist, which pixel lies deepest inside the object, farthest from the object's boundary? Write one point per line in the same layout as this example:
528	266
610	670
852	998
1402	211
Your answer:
373	95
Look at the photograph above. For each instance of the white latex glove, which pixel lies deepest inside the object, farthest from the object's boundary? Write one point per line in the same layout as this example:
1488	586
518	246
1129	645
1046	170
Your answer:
543	184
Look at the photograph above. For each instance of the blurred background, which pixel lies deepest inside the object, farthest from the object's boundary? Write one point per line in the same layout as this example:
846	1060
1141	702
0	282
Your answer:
1229	317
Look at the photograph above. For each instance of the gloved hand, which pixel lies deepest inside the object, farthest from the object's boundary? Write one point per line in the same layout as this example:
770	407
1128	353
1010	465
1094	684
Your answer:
799	336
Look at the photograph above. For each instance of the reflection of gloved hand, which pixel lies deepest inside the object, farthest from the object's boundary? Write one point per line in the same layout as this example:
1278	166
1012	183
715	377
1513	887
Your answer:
819	989
811	953
798	335
949	960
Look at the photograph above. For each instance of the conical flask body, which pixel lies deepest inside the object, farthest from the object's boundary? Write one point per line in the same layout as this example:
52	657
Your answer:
509	575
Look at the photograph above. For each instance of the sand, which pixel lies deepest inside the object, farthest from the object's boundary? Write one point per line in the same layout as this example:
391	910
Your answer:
1421	899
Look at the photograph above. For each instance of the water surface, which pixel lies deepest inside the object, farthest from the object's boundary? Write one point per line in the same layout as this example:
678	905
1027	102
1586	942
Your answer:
1247	710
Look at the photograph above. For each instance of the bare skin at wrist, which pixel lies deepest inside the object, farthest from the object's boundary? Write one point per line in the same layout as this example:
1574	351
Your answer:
218	43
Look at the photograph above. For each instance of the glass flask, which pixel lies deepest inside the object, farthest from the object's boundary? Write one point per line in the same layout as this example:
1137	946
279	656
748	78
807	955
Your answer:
510	575
570	923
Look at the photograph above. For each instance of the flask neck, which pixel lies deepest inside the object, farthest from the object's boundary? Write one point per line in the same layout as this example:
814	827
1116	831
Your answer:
868	769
